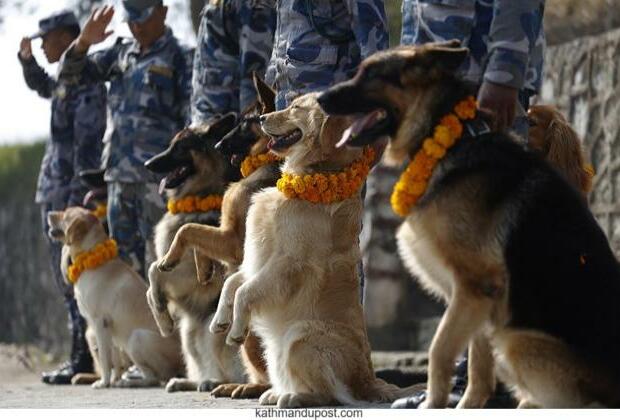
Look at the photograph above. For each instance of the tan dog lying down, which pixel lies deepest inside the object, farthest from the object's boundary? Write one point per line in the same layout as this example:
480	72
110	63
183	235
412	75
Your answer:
112	298
298	284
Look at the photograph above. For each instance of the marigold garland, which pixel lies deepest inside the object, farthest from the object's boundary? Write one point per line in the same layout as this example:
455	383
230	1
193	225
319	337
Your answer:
193	204
329	187
96	257
414	180
252	163
100	211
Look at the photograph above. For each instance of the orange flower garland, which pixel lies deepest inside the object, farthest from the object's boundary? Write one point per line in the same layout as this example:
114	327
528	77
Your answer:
252	163
100	211
414	180
328	188
99	255
193	204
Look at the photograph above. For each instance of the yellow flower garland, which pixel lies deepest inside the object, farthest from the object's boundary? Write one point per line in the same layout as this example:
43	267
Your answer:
193	204
328	188
100	211
252	163
414	180
99	255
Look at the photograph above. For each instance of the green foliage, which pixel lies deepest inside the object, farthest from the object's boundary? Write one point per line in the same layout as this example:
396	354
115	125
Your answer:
19	167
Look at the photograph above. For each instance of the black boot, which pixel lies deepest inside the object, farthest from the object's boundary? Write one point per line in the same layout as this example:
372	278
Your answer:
500	399
81	360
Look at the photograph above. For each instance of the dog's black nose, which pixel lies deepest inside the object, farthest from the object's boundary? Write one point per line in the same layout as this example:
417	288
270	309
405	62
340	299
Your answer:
262	118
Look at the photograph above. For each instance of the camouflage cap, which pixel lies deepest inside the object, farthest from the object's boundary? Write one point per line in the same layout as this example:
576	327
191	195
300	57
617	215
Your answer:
139	10
61	19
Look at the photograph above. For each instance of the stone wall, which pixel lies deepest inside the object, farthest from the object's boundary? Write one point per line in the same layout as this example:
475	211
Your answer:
583	80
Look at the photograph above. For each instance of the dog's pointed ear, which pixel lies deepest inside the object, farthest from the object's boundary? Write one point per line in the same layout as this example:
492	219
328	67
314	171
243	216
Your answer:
447	56
79	227
266	96
218	129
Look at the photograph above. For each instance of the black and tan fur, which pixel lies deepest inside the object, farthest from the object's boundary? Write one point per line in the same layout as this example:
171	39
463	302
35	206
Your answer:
529	278
188	296
224	243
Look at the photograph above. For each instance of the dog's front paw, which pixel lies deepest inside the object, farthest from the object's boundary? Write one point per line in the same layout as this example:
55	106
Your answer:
221	320
290	400
100	384
167	264
269	397
208	385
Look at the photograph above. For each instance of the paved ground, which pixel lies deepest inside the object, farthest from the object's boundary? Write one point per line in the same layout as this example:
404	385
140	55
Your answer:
20	387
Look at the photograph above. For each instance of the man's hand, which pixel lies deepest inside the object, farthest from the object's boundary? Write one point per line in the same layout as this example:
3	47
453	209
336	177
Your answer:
499	101
25	48
95	29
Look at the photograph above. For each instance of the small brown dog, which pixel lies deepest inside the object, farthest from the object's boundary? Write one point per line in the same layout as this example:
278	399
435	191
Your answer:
553	137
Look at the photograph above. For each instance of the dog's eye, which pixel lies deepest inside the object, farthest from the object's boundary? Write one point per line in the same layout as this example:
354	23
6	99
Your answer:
531	122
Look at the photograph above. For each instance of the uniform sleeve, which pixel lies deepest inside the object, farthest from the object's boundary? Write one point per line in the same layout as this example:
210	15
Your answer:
89	125
100	64
36	78
369	25
184	87
514	30
255	44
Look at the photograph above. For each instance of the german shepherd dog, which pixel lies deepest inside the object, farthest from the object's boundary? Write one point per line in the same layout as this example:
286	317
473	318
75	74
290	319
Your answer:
225	243
526	271
190	294
298	285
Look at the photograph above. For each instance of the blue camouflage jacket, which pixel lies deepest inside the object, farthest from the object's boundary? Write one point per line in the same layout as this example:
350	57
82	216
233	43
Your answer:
506	37
234	40
321	42
148	100
77	126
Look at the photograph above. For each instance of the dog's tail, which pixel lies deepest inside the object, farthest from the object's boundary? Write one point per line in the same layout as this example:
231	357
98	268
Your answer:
386	392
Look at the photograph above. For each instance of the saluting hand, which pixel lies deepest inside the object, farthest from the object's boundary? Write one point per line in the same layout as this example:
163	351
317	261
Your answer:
25	48
95	29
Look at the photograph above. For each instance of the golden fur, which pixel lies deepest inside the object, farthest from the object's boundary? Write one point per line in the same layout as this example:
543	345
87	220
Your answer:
112	298
298	285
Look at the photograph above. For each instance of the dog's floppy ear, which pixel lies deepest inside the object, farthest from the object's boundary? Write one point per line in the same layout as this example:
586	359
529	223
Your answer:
79	227
266	96
566	155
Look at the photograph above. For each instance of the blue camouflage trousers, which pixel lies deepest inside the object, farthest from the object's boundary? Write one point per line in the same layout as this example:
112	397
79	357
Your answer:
133	211
77	324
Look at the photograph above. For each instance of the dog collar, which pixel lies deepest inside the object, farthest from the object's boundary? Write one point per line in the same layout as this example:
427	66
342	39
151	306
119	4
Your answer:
194	204
414	180
252	163
328	187
95	257
100	211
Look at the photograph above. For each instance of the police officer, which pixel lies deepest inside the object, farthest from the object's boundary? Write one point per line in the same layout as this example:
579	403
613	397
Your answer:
506	40
150	83
77	126
322	42
235	39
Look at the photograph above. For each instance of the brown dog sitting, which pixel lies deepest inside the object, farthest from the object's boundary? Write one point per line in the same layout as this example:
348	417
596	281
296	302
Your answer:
552	135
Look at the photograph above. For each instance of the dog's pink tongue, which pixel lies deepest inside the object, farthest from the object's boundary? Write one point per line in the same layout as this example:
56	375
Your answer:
359	125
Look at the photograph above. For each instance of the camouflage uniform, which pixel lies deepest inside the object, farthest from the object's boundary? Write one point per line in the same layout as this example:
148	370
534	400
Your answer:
149	103
321	42
77	125
506	39
235	39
